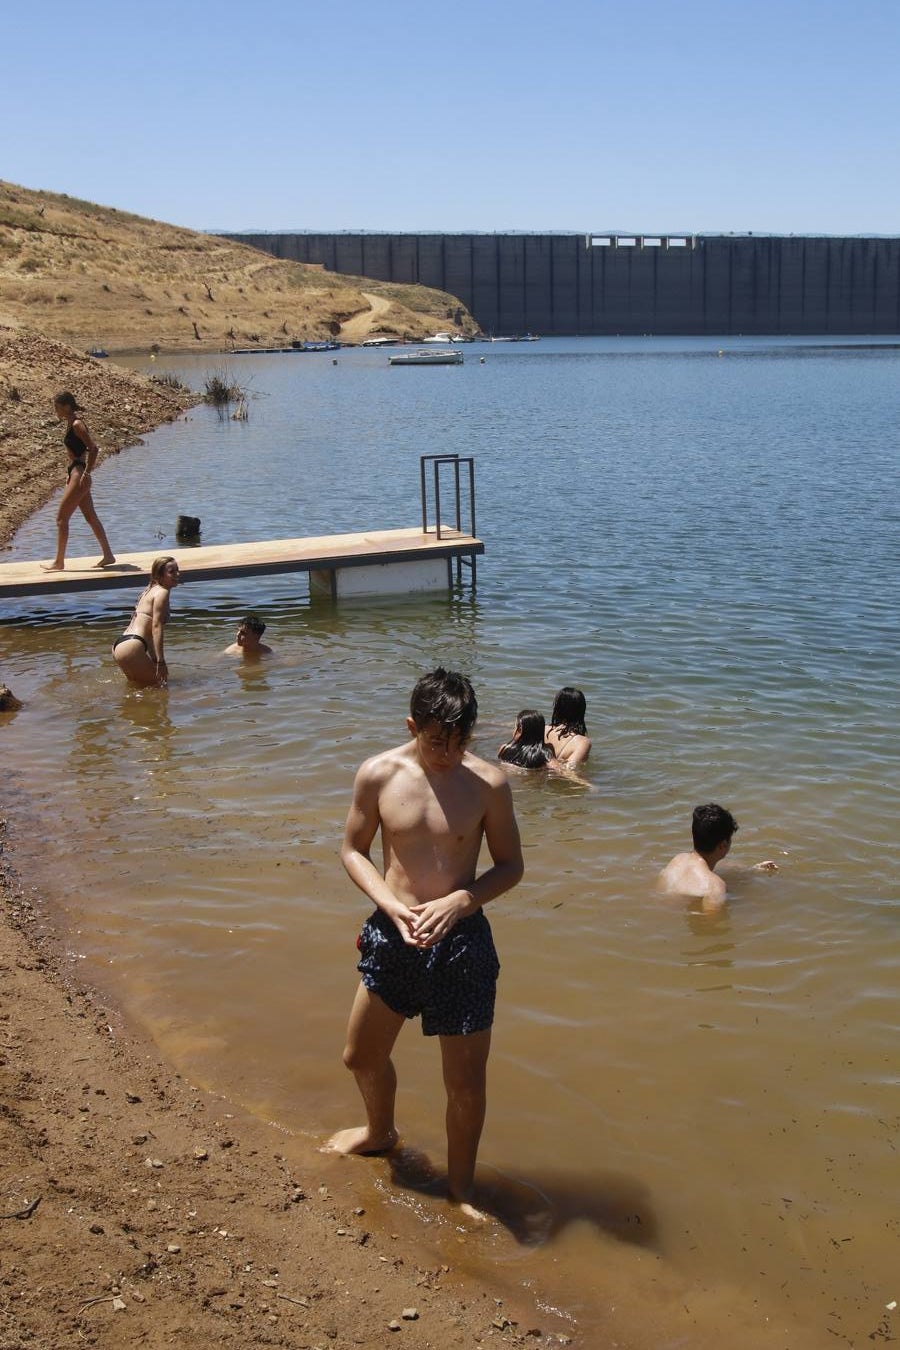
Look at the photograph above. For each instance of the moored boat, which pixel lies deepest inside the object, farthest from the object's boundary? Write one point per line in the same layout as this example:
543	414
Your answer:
446	358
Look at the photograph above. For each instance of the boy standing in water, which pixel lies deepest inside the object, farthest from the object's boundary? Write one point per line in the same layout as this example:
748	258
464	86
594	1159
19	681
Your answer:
427	949
712	829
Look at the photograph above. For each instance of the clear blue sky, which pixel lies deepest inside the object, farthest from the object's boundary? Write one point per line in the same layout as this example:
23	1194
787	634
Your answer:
641	115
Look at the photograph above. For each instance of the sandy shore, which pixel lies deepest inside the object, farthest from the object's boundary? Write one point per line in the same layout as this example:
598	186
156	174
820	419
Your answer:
135	1209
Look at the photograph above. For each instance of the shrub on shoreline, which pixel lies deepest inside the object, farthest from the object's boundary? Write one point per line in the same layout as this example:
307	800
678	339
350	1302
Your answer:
220	389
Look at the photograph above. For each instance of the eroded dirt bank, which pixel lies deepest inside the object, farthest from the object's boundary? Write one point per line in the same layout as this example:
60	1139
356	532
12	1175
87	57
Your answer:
119	407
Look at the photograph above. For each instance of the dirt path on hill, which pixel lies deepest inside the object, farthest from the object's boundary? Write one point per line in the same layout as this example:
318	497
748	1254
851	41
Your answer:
359	326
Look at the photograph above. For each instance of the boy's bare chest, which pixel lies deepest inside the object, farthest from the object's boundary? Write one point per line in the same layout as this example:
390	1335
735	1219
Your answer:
453	813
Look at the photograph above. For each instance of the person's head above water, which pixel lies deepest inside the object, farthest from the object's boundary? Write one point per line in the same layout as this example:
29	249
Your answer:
569	708
528	748
446	700
712	826
164	571
252	624
531	729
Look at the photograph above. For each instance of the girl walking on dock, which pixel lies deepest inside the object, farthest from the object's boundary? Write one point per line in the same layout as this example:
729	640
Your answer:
82	453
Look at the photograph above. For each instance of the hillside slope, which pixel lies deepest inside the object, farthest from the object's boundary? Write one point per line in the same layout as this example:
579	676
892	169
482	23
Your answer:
94	276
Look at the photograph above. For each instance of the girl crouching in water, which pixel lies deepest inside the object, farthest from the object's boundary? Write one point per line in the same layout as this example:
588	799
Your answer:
567	734
140	652
528	748
82	456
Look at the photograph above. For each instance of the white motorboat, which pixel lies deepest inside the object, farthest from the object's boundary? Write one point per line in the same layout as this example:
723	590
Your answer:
443	338
446	358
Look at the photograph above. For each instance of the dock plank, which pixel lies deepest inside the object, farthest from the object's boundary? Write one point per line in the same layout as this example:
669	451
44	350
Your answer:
267	557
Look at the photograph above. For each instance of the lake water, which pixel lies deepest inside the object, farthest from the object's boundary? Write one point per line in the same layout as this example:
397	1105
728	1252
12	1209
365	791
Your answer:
693	1122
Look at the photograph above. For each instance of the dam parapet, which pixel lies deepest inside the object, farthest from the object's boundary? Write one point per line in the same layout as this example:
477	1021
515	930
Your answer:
630	284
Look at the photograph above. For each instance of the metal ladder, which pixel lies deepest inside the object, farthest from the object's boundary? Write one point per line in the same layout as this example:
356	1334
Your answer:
456	463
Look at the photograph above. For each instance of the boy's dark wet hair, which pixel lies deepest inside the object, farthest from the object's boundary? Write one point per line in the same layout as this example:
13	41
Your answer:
711	825
568	711
528	750
446	699
253	624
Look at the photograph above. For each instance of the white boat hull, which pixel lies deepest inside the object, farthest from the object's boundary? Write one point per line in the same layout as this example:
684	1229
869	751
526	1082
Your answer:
446	358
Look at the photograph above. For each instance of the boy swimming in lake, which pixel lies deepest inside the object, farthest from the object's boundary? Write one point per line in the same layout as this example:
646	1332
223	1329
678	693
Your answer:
693	874
427	948
247	640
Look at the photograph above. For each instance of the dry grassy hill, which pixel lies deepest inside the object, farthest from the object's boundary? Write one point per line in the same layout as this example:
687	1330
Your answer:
94	276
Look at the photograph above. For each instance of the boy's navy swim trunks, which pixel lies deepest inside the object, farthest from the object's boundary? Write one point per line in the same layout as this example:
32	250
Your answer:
452	984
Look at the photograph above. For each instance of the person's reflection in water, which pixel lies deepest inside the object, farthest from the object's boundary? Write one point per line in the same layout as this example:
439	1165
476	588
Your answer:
254	678
150	729
535	1210
704	924
110	753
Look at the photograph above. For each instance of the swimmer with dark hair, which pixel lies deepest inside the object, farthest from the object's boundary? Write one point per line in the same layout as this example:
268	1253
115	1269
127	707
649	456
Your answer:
82	456
567	733
247	640
139	652
529	748
693	874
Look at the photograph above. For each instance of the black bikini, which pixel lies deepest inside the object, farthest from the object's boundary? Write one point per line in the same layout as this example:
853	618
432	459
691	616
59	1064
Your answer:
128	637
75	446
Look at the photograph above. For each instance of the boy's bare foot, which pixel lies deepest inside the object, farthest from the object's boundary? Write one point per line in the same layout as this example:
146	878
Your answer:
106	562
471	1212
361	1140
767	866
53	567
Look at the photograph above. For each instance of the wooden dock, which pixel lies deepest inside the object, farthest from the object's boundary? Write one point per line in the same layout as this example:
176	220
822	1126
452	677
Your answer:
326	558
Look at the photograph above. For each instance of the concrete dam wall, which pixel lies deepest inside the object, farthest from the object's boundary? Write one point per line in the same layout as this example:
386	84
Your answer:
630	284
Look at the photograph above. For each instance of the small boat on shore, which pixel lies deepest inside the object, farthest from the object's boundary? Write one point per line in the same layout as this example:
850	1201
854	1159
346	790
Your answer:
380	342
307	345
292	350
98	353
445	358
444	339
